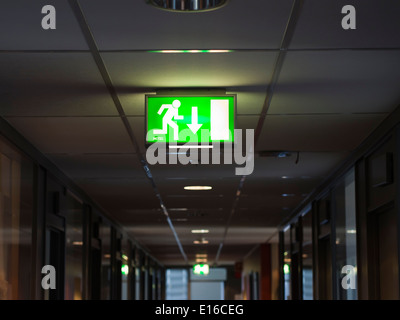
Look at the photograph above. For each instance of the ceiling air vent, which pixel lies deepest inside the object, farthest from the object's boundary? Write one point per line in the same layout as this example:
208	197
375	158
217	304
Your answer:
188	5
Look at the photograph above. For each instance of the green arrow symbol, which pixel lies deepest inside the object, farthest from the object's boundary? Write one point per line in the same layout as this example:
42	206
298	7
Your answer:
194	126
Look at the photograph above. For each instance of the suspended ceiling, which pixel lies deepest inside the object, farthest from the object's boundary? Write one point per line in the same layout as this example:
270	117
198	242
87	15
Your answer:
303	83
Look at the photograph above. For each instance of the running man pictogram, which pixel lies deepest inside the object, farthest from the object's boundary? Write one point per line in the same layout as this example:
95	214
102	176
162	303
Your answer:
170	115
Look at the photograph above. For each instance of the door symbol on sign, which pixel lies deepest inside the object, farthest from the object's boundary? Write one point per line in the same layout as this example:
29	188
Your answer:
172	113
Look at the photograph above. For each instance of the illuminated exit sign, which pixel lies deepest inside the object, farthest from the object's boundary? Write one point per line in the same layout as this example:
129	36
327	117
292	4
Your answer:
202	269
183	119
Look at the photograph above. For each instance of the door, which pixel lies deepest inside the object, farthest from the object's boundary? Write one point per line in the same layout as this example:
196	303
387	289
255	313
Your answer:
325	268
207	290
95	262
384	254
55	254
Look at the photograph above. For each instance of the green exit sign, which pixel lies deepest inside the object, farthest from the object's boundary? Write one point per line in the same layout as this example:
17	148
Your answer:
201	269
194	119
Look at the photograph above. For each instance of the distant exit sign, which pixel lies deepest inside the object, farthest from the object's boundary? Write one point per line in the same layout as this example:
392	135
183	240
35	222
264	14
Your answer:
201	269
183	119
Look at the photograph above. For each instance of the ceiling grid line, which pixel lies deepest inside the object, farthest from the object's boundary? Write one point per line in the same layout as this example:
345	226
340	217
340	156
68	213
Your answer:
76	8
286	39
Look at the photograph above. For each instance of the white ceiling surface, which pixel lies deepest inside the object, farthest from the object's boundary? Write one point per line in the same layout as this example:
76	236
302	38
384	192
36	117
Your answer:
324	104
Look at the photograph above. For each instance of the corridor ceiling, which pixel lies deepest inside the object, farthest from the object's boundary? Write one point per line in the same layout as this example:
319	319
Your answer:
303	83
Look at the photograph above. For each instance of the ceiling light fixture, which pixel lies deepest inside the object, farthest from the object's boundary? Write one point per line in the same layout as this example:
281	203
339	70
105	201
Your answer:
188	5
200	231
201	260
197	188
287	194
202	241
192	51
201	255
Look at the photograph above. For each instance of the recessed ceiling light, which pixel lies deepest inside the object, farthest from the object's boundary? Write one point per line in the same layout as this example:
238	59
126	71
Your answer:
188	5
287	194
178	209
201	260
77	243
285	177
197	188
200	231
201	255
351	231
200	241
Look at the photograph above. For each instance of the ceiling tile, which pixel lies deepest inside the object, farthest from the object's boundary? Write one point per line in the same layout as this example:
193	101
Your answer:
338	82
216	70
137	125
320	25
95	166
52	84
246	122
122	196
316	132
250	101
77	135
21	21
